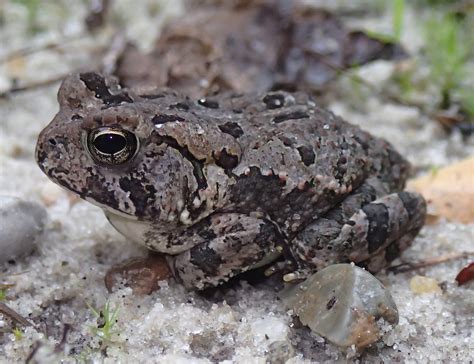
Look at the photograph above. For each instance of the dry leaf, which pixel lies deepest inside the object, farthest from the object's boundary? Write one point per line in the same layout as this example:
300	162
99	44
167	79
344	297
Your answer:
466	274
421	284
449	191
16	67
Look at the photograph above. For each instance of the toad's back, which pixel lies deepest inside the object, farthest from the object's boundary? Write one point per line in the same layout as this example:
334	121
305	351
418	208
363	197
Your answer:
275	154
293	160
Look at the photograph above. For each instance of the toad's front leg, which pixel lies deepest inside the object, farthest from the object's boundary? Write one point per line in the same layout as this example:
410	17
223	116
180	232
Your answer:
234	243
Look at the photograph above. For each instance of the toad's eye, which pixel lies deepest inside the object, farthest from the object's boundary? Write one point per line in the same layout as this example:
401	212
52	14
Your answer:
112	145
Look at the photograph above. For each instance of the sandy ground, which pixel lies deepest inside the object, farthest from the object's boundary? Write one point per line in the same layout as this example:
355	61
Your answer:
246	324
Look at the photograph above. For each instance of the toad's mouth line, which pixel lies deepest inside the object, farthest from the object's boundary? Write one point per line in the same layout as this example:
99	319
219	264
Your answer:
110	209
83	196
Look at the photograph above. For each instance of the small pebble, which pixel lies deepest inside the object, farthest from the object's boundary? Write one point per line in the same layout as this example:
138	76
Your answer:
21	222
421	284
141	274
343	303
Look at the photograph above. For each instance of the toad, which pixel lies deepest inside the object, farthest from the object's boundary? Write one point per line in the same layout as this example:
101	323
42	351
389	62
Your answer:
228	183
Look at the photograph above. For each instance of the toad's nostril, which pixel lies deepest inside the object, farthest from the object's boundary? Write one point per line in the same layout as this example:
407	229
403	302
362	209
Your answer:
52	141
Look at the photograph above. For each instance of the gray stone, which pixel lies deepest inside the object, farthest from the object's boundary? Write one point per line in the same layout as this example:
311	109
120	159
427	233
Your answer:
343	303
20	224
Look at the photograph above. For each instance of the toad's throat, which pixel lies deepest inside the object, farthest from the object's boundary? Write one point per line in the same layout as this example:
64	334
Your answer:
153	236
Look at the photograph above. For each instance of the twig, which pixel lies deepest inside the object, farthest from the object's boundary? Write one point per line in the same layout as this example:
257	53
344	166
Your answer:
32	86
356	78
111	55
97	14
39	84
60	346
6	285
32	353
110	59
15	316
16	274
409	266
38	48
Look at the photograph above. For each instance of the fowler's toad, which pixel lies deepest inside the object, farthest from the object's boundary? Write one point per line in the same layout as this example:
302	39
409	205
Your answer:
229	183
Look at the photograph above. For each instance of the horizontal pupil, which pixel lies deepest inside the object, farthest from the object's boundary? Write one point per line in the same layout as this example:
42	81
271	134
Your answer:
110	143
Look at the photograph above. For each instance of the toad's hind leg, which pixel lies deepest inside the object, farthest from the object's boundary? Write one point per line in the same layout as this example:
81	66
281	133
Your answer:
231	244
372	237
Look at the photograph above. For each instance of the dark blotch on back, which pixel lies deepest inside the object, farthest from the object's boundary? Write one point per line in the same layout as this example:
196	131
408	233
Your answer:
151	97
274	101
377	214
163	118
290	116
287	142
197	164
307	155
254	190
232	128
179	106
96	83
210	104
226	160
